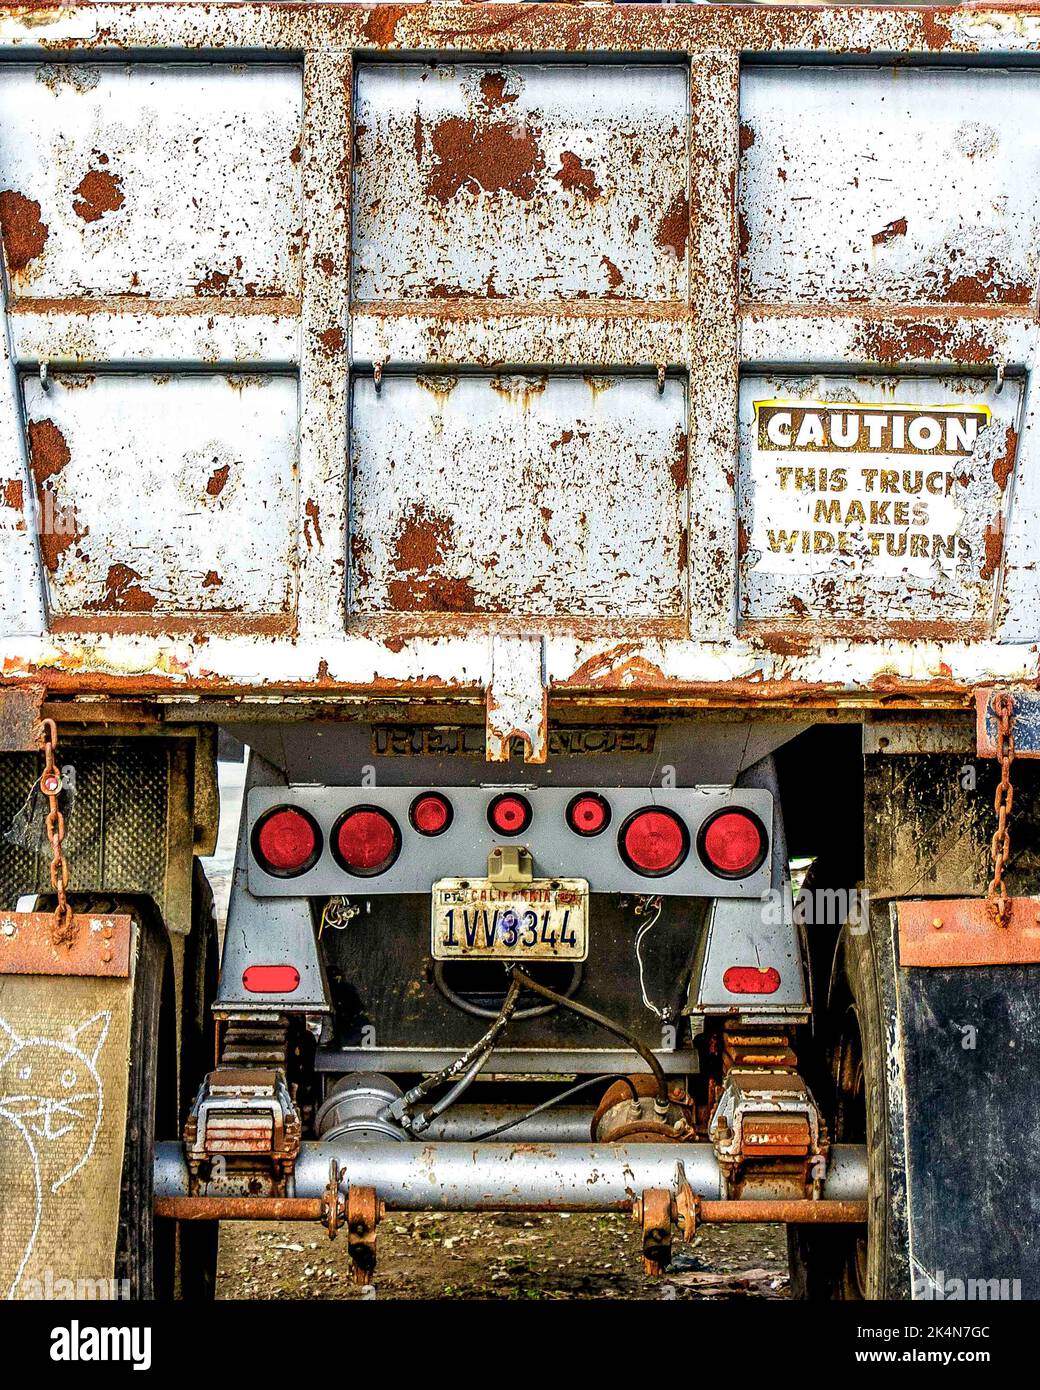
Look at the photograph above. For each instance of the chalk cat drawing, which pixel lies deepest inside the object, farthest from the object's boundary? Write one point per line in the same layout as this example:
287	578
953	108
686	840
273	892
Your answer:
51	1106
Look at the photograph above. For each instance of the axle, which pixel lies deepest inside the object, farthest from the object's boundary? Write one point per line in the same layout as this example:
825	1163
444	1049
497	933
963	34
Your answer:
442	1176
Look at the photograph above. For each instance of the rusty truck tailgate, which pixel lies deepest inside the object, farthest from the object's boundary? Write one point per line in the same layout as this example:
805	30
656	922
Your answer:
519	353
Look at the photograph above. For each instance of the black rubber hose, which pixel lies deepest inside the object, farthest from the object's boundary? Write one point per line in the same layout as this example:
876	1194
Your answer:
611	1027
554	1100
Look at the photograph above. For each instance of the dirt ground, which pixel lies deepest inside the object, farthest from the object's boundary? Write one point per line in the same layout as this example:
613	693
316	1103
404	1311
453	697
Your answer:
500	1256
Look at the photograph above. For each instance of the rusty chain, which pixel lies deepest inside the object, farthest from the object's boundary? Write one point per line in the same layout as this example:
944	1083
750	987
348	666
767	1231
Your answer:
997	901
50	785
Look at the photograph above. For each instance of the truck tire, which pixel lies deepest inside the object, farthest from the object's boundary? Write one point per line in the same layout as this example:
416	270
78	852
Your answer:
198	1241
864	1105
146	1248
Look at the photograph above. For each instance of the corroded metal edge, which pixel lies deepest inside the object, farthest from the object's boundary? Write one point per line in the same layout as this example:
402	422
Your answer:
961	931
100	945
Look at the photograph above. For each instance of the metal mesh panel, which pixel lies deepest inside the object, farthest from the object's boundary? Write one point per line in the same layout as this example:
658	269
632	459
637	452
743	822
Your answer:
116	833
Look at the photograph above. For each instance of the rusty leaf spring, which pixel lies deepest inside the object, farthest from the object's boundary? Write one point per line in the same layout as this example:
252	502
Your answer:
997	901
50	786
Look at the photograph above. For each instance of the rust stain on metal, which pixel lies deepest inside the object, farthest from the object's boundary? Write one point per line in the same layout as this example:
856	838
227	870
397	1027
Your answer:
674	227
20	713
576	178
48	455
313	519
935	27
218	480
24	234
488	156
746	136
789	640
615	668
423	540
889	233
332	341
98	192
993	540
49	449
1004	464
123	593
493	90
381	24
903	339
680	463
215	282
614	277
986	285
212	580
432	594
14	494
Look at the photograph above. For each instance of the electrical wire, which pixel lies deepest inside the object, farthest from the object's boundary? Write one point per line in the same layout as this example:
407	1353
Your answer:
662	1102
649	924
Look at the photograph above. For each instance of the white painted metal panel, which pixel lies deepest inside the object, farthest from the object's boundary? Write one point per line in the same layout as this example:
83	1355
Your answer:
861	317
519	495
160	180
871	502
521	181
165	495
905	185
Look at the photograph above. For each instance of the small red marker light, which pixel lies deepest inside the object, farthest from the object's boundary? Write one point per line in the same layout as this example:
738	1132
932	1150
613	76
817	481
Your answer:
732	844
588	813
430	813
271	979
653	842
509	814
286	841
366	841
750	979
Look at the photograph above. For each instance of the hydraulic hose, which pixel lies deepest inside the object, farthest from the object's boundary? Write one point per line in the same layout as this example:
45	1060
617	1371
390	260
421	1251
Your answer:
465	1066
661	1103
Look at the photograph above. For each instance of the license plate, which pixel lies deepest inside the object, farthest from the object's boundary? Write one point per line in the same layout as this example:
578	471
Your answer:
476	918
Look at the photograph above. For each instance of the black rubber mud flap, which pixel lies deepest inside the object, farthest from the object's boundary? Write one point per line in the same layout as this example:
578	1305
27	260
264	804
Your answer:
862	1095
971	1063
146	1252
198	1241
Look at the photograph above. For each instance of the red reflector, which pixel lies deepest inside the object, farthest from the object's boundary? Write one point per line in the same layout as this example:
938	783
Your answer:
366	841
271	979
749	979
286	841
733	843
509	814
430	813
653	842
588	814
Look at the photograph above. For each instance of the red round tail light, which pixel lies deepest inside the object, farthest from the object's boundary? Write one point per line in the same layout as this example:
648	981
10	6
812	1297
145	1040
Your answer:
366	841
733	844
286	842
653	842
430	813
588	813
509	814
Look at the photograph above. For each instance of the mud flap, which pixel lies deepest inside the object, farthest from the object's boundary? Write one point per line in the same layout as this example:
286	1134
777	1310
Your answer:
970	1039
64	1051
